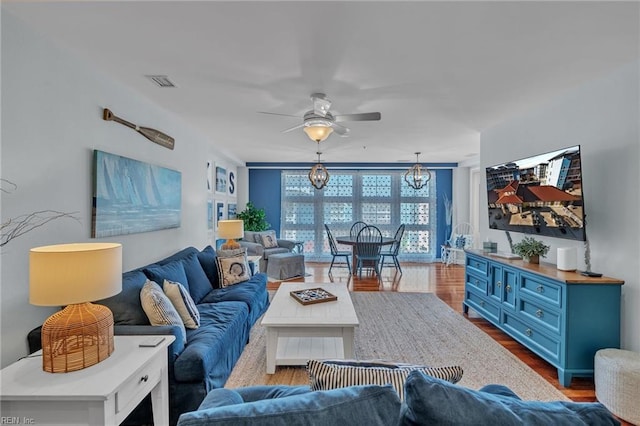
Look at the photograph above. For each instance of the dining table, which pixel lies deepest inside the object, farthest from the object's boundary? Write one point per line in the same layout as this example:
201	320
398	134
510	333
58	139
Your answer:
350	240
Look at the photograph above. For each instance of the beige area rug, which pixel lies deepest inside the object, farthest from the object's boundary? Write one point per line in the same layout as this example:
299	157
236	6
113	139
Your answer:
415	328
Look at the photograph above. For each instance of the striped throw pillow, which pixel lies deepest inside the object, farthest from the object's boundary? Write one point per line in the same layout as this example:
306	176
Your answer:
332	374
159	308
184	304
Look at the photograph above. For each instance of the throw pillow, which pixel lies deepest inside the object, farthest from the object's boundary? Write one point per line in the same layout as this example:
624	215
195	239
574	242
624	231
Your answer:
268	239
158	307
459	241
332	374
207	258
198	282
434	401
233	267
172	271
182	301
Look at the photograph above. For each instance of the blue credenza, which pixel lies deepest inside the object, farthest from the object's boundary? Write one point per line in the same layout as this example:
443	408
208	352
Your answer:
564	317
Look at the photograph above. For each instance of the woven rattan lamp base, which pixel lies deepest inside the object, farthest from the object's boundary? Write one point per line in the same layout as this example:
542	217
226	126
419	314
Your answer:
77	337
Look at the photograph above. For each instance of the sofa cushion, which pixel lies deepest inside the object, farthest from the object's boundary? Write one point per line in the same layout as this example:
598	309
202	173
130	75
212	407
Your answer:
207	258
233	267
199	283
126	306
253	293
260	392
182	301
158	307
250	236
370	405
331	374
214	347
222	396
276	250
172	271
434	401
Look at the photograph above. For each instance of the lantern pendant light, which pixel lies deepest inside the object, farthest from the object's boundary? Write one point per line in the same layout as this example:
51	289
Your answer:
319	175
417	176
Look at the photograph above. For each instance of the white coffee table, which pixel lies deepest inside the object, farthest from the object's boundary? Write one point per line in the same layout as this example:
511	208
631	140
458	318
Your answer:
297	333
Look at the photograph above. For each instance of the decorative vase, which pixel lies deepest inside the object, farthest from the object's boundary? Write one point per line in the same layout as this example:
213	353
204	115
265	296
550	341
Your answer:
534	259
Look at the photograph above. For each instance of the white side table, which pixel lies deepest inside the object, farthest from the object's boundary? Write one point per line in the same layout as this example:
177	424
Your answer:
256	263
103	394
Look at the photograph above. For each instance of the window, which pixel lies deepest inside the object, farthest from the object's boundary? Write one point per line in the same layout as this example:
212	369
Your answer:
377	197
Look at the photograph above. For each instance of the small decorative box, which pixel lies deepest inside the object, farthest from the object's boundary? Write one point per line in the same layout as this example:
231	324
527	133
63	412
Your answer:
490	247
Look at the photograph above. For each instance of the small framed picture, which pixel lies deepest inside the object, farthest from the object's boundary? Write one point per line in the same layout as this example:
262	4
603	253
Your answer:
221	180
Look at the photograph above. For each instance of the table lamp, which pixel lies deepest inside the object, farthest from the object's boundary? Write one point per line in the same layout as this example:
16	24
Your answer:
230	229
73	275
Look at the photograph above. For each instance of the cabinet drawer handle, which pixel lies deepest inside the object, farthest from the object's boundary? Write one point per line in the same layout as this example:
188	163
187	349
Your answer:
540	289
499	283
528	332
508	287
144	378
539	313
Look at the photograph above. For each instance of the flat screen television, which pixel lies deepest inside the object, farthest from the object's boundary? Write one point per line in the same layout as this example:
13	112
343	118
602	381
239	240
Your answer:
540	195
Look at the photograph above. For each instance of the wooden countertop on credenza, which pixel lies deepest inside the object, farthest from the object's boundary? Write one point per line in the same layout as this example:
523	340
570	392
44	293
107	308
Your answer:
548	270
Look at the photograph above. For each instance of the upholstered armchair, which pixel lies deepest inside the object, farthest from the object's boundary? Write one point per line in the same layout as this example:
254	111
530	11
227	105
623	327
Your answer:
265	244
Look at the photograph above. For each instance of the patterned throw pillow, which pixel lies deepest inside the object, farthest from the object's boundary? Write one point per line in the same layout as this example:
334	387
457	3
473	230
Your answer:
184	304
459	241
233	267
158	307
332	374
268	239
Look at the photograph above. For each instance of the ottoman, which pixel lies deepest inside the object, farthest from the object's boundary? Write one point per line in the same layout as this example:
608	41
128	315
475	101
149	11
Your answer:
283	266
617	380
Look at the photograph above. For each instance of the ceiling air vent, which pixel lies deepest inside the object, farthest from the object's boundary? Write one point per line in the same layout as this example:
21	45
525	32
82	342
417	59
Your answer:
161	80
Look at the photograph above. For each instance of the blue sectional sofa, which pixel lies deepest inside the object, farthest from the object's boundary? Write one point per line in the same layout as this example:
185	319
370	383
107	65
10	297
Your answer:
205	360
428	401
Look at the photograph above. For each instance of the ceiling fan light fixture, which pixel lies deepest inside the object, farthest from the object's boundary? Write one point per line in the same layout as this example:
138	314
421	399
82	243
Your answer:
319	175
417	176
318	132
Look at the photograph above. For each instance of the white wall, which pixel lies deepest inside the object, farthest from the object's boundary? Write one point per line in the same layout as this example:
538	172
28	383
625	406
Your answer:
52	121
603	117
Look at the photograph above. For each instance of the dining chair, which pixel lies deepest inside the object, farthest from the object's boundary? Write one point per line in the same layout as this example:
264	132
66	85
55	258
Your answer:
367	249
392	252
337	253
356	228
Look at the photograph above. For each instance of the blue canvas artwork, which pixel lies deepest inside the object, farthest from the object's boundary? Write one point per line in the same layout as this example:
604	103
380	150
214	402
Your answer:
232	211
221	180
130	196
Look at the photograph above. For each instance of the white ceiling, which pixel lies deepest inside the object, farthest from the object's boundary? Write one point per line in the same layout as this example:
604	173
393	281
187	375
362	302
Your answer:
439	72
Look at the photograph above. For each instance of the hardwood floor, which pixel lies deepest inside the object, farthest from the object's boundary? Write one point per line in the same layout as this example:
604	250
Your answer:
448	284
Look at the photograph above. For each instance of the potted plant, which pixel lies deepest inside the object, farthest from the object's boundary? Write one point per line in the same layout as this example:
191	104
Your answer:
531	249
254	218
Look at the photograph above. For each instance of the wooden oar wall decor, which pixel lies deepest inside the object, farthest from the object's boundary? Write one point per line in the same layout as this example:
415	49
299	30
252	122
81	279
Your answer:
151	134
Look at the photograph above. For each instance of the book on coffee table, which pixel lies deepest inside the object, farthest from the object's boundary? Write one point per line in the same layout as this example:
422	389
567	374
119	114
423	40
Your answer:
313	295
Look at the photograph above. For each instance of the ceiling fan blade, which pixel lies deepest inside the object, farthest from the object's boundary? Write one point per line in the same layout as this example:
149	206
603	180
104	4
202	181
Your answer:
293	128
364	116
340	130
276	113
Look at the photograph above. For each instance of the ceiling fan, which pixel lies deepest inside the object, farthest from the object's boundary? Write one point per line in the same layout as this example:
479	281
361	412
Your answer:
319	122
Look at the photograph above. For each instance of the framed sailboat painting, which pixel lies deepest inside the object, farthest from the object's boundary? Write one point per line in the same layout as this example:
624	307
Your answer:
130	196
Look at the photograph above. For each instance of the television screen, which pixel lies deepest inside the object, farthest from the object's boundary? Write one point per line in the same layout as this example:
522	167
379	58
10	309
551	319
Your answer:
539	195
